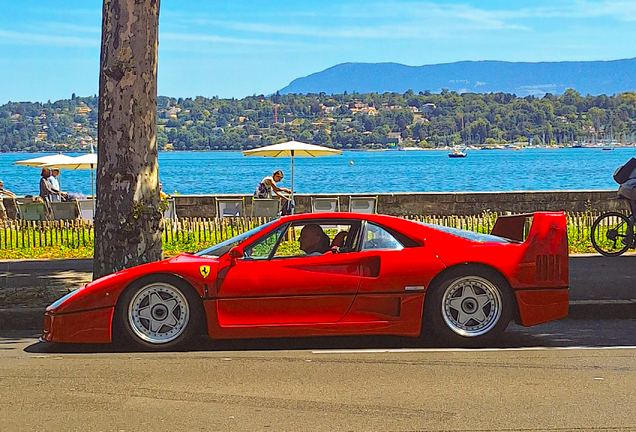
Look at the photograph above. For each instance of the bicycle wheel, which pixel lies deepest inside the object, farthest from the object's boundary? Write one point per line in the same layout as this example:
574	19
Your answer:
612	234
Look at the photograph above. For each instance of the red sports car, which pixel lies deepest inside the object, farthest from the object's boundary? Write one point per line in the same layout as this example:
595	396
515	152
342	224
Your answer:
332	274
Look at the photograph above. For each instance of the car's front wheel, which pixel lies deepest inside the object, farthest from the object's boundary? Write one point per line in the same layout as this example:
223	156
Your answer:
468	309
157	313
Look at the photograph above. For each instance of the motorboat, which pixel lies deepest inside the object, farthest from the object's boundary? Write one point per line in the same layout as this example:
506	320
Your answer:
457	153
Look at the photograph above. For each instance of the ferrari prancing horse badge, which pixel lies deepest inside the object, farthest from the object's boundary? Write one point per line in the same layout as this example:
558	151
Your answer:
205	271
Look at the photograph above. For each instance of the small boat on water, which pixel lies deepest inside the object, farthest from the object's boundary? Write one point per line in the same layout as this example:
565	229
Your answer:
457	153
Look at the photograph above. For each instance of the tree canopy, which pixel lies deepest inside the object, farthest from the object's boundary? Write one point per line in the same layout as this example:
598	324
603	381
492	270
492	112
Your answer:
346	121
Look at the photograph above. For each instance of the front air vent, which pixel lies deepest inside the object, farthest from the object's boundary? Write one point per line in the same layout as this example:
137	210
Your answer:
548	268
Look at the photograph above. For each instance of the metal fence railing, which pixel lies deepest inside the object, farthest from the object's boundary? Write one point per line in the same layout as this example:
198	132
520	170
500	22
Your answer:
37	234
18	234
200	232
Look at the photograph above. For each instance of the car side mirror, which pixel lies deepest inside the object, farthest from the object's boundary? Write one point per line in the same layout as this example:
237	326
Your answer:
235	253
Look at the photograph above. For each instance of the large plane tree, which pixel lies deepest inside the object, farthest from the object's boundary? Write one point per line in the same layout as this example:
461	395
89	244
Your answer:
128	215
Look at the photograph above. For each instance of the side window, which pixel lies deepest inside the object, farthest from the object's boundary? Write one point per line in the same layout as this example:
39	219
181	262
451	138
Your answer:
313	239
376	238
290	246
262	249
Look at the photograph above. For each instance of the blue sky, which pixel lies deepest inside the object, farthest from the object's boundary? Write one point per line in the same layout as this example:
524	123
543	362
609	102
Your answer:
50	49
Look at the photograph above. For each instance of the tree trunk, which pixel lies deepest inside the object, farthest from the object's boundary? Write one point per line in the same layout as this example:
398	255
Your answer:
128	214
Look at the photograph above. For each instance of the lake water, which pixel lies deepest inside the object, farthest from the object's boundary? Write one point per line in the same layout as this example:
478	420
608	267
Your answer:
383	171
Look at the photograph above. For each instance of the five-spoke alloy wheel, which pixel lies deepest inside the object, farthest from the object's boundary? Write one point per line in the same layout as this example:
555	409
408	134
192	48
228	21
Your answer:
471	306
156	314
468	308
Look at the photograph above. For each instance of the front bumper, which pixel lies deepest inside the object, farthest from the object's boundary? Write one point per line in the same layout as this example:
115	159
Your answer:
94	326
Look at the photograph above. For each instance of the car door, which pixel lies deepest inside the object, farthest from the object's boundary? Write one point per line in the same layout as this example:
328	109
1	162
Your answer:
397	269
287	290
391	275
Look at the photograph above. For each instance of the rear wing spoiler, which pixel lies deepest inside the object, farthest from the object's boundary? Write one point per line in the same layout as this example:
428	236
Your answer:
522	227
512	227
545	260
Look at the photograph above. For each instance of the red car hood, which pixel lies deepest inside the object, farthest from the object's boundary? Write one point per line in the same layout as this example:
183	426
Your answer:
104	292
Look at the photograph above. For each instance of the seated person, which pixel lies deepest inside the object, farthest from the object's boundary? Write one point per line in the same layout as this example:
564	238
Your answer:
30	199
162	194
4	193
313	240
339	240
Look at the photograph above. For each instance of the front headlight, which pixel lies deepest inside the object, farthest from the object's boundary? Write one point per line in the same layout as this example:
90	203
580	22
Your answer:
61	300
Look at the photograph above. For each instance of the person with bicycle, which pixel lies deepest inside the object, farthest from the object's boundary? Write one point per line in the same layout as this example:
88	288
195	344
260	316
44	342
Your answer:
628	190
612	232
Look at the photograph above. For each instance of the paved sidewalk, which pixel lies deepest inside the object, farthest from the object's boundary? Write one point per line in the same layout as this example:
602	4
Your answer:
598	285
27	287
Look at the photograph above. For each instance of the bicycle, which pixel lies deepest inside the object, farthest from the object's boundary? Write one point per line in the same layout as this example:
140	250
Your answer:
613	232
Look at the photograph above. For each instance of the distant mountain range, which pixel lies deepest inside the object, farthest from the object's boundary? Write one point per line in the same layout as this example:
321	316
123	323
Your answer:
522	79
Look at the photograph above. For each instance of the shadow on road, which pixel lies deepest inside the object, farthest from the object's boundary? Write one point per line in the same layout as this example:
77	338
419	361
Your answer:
592	326
509	340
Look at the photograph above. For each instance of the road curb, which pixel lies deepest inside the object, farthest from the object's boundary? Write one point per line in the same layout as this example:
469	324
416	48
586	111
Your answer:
22	318
49	265
33	318
602	309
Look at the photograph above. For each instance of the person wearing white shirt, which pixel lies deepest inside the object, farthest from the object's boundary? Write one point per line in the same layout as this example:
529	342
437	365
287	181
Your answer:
55	183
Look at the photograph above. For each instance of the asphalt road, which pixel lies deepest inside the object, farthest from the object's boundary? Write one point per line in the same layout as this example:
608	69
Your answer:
575	374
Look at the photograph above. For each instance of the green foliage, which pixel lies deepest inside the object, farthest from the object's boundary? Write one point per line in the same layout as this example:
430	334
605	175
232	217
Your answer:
191	235
347	121
65	122
53	252
289	248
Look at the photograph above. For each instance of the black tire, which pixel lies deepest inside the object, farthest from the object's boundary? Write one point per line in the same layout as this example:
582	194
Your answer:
612	234
468	308
157	313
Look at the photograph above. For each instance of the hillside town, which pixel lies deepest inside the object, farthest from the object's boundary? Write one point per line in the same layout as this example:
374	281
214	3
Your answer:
345	121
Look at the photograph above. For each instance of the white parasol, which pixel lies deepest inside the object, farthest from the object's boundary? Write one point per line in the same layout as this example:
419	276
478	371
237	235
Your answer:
292	149
85	161
50	160
46	161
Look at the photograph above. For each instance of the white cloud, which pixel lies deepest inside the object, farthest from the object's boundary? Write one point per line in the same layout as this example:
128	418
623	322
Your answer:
22	38
74	28
97	12
27	38
351	31
378	21
624	11
205	38
409	20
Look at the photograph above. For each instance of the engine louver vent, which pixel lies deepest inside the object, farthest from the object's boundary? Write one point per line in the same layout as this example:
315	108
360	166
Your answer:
548	268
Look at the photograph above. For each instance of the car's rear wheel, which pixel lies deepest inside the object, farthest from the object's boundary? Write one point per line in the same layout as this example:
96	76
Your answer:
468	309
157	313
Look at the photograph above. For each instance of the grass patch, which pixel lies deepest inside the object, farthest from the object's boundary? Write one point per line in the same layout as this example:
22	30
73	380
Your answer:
58	240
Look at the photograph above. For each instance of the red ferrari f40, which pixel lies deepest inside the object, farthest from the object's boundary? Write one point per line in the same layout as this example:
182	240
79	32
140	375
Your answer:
366	275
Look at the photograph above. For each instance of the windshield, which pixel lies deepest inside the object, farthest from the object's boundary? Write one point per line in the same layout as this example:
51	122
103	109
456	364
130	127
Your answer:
468	235
224	247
